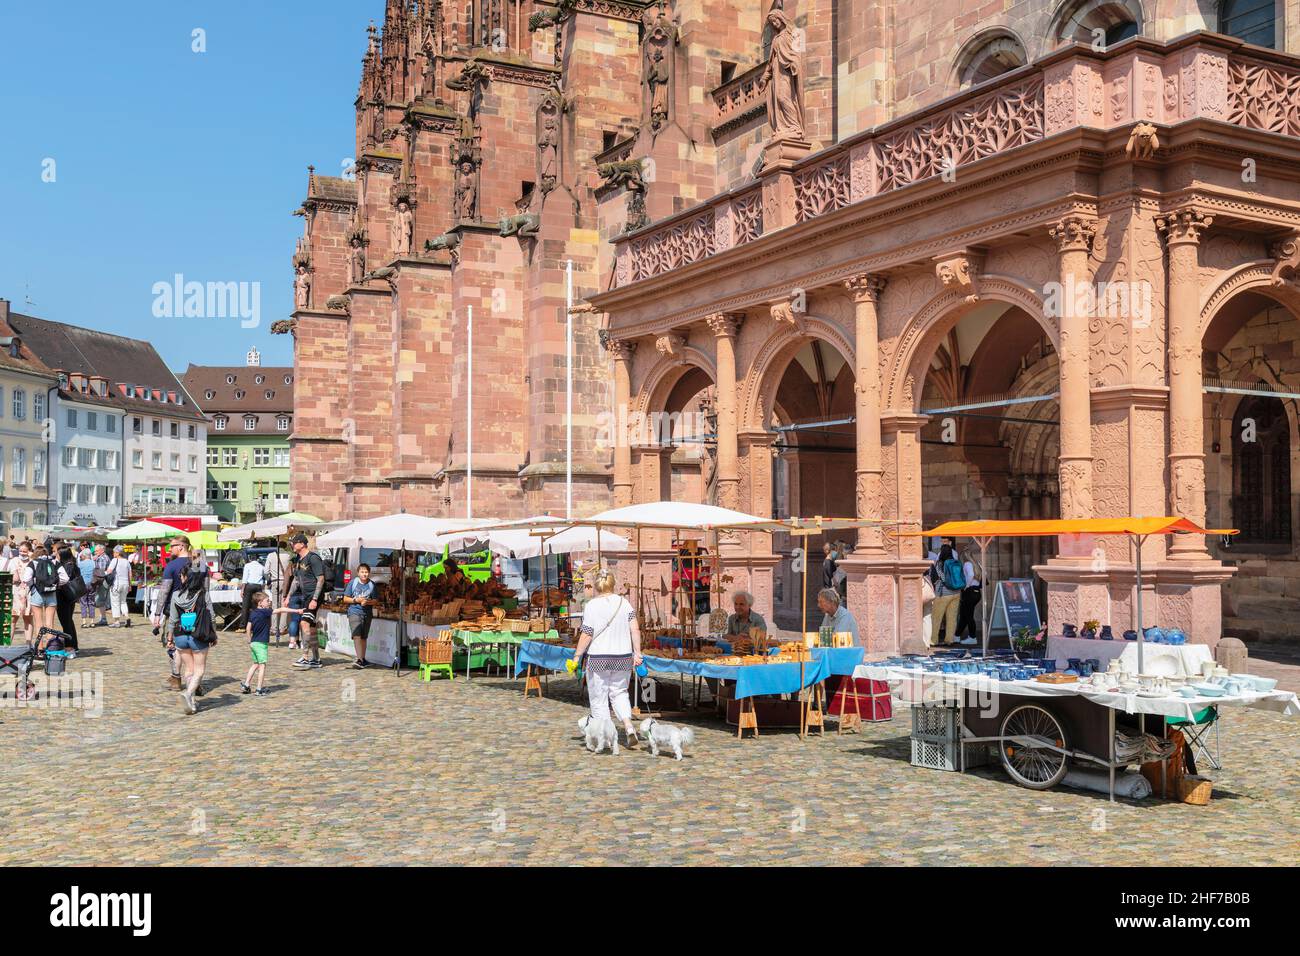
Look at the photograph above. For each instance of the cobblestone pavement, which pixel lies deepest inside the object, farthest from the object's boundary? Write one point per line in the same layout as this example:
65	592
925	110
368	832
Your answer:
340	766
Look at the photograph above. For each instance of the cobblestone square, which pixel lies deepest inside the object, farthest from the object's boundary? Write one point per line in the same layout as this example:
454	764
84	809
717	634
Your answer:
345	767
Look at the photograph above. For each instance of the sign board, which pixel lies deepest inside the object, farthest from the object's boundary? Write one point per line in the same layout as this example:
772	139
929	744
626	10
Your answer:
1015	605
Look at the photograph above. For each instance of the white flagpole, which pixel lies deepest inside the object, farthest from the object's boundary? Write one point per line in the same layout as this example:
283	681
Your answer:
568	399
469	417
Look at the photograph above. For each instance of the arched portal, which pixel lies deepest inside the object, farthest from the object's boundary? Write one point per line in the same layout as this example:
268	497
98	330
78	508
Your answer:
1251	378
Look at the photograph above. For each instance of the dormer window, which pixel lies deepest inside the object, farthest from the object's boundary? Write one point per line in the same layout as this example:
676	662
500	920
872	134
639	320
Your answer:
239	394
288	380
250	422
209	394
259	380
270	394
282	423
219	423
230	380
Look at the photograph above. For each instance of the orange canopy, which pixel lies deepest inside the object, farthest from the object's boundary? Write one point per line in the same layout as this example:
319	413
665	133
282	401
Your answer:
1059	526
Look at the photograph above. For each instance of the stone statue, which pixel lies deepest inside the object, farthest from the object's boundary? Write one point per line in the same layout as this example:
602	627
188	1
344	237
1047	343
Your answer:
302	288
444	243
1142	142
403	229
784	78
657	66
548	140
466	196
357	258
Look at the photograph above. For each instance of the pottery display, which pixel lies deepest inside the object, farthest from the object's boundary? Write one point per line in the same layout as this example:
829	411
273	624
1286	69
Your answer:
1105	634
1260	685
1130	635
1207	669
1069	630
1208	690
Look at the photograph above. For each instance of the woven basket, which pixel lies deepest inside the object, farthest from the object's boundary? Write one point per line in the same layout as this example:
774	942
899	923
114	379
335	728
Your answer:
435	651
1195	790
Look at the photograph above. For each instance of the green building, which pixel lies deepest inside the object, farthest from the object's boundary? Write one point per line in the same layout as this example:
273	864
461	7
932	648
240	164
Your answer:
250	414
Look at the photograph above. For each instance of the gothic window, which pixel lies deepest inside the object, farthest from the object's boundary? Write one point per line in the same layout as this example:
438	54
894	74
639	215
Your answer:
1261	472
1097	22
985	57
1249	20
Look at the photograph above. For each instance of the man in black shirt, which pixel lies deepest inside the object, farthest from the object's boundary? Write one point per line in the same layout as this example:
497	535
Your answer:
309	582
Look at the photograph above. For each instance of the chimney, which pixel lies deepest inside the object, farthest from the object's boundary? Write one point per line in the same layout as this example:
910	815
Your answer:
4	311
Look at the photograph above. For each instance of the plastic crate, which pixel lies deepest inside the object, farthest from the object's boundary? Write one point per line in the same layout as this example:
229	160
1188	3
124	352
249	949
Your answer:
946	755
936	724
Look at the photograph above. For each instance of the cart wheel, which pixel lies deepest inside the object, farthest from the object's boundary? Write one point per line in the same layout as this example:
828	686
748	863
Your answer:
1034	767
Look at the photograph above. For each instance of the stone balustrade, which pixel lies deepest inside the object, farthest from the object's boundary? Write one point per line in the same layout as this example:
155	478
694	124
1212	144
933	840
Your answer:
1200	76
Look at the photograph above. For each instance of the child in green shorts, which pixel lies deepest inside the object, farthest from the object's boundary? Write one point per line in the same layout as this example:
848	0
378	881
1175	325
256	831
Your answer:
258	630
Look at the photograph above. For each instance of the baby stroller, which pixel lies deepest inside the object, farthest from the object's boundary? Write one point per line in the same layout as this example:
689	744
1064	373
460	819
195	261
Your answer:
18	660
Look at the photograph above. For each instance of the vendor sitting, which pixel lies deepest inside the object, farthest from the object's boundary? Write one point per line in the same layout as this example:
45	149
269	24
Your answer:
745	617
837	616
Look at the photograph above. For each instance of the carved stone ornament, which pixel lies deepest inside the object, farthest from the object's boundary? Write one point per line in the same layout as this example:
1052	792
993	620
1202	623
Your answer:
524	225
338	303
1287	268
356	255
1142	142
725	324
403	228
1074	234
1183	225
466	158
548	140
670	346
783	313
302	287
959	273
471	75
627	174
865	287
284	327
621	350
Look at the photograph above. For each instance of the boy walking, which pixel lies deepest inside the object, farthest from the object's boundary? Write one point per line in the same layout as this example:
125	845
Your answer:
258	630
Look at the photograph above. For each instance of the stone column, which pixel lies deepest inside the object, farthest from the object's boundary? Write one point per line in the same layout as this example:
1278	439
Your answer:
622	354
865	290
1073	236
725	326
1182	230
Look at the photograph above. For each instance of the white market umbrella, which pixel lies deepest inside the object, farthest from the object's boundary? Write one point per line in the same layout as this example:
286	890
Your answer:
145	530
275	527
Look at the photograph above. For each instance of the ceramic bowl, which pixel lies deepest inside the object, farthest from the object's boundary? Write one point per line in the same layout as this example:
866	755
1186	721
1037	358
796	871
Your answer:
1187	691
1130	635
1208	690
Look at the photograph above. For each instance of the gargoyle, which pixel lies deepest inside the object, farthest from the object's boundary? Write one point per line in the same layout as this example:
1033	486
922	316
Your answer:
625	173
1142	142
524	226
446	242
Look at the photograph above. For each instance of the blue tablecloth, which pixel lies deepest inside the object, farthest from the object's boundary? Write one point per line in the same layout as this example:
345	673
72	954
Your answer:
750	681
842	660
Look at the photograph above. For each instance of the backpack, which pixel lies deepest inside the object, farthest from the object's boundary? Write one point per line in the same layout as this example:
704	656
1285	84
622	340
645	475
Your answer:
45	575
75	589
954	578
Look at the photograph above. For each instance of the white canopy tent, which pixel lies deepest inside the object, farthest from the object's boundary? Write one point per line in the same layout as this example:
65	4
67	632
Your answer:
400	531
276	527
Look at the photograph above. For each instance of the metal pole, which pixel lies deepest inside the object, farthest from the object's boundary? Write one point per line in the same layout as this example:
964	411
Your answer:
568	396
1138	568
469	416
401	611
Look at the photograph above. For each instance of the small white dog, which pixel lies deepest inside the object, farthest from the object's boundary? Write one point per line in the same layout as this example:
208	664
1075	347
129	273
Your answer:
599	734
666	736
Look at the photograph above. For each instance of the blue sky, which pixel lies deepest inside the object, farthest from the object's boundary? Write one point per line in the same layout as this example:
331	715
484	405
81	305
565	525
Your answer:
166	160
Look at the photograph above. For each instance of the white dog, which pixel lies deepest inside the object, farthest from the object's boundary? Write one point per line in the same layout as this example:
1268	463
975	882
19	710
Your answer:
666	736
600	734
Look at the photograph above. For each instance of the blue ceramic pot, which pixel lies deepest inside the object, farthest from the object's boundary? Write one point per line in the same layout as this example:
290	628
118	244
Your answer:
1130	635
1049	666
1105	634
1069	630
1088	634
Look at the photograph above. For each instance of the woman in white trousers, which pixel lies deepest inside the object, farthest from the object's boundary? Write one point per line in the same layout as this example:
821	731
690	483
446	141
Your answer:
611	641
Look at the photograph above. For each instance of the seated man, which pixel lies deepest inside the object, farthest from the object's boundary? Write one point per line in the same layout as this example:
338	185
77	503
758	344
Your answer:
745	616
837	616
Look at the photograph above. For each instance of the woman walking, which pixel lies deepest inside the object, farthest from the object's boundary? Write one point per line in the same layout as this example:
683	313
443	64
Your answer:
118	576
191	628
43	577
611	641
69	595
86	564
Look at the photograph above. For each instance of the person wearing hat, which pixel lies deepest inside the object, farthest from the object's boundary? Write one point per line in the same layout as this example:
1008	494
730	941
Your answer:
309	582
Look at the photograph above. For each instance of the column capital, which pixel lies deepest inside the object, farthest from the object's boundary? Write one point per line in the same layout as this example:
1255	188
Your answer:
1074	233
1287	254
960	271
725	324
1183	226
902	422
866	286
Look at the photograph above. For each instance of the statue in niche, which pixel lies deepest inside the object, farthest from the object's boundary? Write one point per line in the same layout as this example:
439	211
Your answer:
661	37
784	78
466	197
548	140
301	287
403	228
356	257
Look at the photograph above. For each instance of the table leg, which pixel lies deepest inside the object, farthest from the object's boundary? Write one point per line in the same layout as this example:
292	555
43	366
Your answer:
1111	712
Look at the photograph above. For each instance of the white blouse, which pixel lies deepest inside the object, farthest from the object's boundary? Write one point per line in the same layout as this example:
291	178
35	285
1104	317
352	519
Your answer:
609	617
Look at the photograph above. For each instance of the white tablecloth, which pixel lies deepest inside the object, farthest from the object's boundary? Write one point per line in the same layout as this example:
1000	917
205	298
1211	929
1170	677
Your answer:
915	687
381	646
1165	660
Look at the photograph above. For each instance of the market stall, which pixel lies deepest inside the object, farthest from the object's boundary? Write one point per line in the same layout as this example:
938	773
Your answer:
1050	714
279	526
142	532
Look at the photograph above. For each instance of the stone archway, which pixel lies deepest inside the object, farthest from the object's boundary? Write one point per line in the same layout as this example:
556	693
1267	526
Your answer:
759	388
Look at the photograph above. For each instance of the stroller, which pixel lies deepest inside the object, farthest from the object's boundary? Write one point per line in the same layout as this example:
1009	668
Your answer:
18	660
